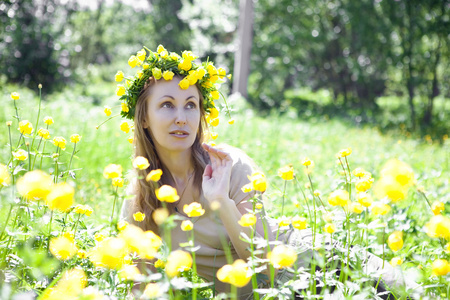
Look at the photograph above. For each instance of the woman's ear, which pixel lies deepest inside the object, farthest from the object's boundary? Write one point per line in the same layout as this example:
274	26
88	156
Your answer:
144	124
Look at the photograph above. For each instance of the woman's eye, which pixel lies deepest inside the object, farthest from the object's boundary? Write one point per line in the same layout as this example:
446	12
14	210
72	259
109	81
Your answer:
191	105
166	105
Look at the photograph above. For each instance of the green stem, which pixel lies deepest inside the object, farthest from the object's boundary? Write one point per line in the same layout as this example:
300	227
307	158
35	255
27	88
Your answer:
17	113
20	138
50	230
37	120
194	267
37	150
6	222
112	214
284	194
10	141
254	280
73	152
29	157
42	156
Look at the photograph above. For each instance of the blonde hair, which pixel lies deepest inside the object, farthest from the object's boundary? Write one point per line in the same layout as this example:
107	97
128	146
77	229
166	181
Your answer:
145	199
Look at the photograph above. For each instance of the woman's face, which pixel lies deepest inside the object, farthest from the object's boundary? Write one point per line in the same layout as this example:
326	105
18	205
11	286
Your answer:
173	115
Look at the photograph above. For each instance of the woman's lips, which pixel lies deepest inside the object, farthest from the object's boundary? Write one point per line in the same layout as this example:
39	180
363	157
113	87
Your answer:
179	133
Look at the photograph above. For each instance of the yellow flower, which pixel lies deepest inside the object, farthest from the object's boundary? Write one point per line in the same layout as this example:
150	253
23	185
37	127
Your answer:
214	122
117	181
178	261
48	120
129	273
133	61
231	121
379	208
145	66
299	222
344	152
317	193
60	142
188	55
35	185
187	225
388	187
109	253
82	254
200	73
286	172
213	113
222	72
154	175
8	123
119	76
156	73
141	163
193	210
284	221
98	236
247	188
121	225
356	207
160	49
364	184
69	287
139	217
400	171
364	199
395	241
75	138
141	54
438	227
215	95
440	267
5	178
185	65
25	127
396	261
160	264
184	84
130	139
107	111
329	228
339	197
258	181
120	90
360	172
15	96
328	217
44	133
214	135
160	215
247	220
61	197
166	193
258	205
168	75
306	162
152	291
63	248
20	154
437	207
237	274
79	209
125	127
124	107
282	256
88	211
112	171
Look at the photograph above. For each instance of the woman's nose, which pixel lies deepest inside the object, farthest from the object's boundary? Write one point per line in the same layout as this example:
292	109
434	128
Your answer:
180	118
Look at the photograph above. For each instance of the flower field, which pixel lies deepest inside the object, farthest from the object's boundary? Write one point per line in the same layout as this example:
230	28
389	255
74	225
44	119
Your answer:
63	179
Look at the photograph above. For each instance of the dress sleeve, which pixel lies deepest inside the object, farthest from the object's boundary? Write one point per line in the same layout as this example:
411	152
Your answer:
243	166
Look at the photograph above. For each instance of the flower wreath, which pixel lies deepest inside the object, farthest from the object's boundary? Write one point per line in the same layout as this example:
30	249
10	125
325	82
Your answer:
165	64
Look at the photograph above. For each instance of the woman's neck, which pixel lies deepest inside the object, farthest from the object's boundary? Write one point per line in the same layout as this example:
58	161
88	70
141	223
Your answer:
178	163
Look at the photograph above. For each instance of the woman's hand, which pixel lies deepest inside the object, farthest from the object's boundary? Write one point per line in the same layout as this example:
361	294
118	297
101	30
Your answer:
216	178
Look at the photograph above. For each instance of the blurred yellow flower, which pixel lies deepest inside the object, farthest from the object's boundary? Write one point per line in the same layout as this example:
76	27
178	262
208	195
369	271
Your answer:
317	193
88	210
258	205
120	90
48	120
129	273
440	267
44	133
395	241
193	210
60	197
258	181
380	209
160	215
286	172
63	248
168	75
133	61
60	142
75	138
15	96
237	274
107	111
306	161
284	221
360	172
327	217
109	253
121	225
98	236
141	163
8	123
160	264
185	65
119	76
329	228
178	261
356	207
187	225
365	199
437	207
124	107
299	222
363	184
153	291
396	261
141	54
154	175
79	209
117	181
156	73
247	220
139	216
25	127
82	254
339	197
35	185
112	171
68	287
166	193
282	256
130	139
388	187
214	122
344	152
20	154
438	227
400	171
215	94
5	177
125	127
247	188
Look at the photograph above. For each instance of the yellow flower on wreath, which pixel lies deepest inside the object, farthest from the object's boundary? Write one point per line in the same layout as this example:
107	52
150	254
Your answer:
168	75
237	274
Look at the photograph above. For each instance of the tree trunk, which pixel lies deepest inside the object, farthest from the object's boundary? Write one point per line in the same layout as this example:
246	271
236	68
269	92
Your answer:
427	118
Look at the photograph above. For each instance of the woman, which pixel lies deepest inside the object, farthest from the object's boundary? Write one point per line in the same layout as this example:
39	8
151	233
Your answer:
169	101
